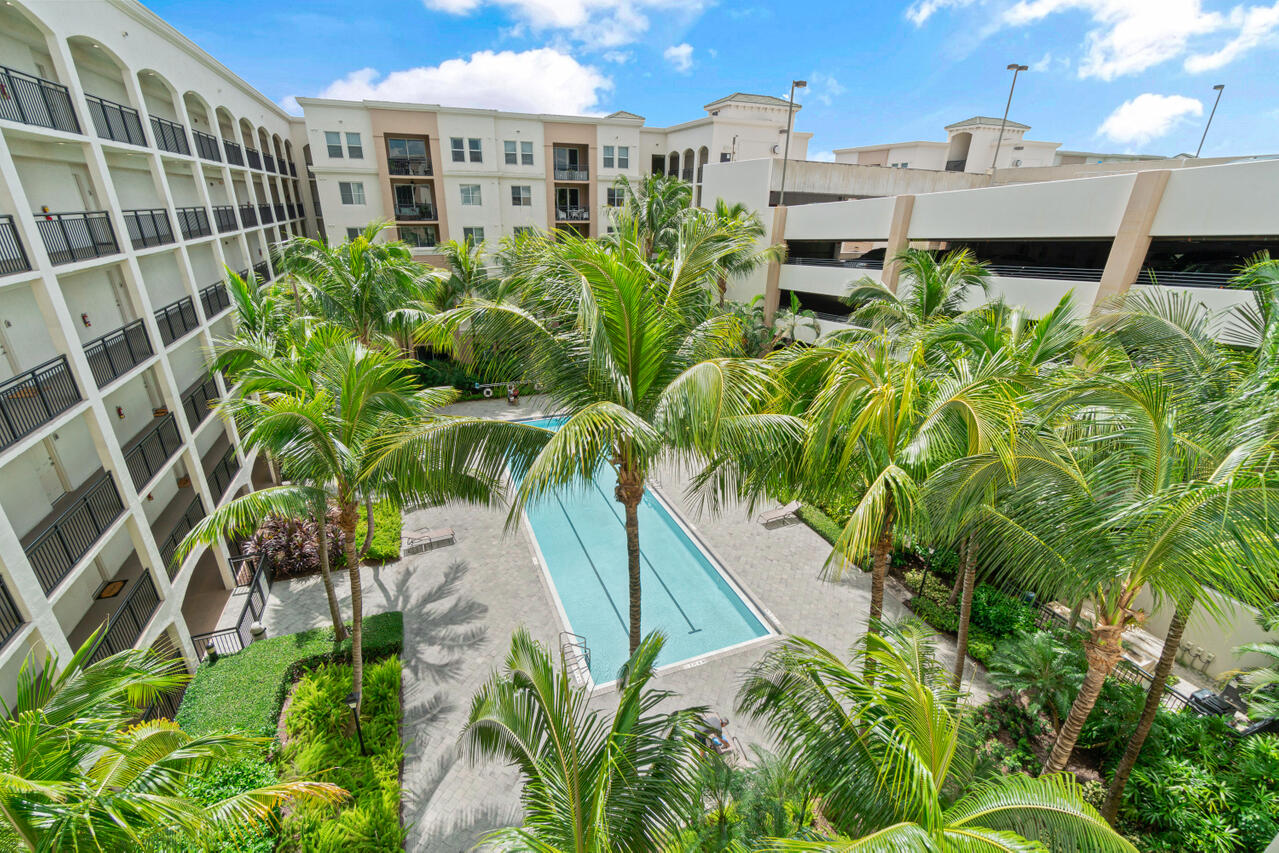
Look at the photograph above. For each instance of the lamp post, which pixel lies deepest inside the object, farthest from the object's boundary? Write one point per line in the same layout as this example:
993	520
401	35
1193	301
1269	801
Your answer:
353	702
1218	89
1015	69
790	120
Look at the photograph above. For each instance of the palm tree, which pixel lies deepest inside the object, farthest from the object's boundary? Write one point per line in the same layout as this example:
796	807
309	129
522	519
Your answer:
738	218
1263	681
594	782
657	204
887	756
81	774
468	276
931	289
641	366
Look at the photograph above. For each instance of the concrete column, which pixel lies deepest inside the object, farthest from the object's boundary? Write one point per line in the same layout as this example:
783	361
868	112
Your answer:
772	285
898	238
1132	240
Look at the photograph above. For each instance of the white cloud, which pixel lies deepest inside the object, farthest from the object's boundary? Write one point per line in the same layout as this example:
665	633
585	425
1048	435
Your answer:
921	10
1256	26
542	80
822	156
680	56
290	105
822	88
1148	117
621	57
600	24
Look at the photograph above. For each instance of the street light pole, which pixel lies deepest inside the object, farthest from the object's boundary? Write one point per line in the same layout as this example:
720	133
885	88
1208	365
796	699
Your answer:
1015	69
1219	87
790	119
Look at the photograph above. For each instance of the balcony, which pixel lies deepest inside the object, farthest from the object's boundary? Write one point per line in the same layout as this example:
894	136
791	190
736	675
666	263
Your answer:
263	271
248	215
423	212
13	258
293	170
206	146
198	400
268	162
179	528
215	299
419	236
118	122
130	619
176	319
224	468
194	222
148	227
294	211
576	174
146	454
254	158
224	218
36	101
278	210
415	167
71	237
264	213
10	618
77	521
170	136
32	399
116	353
234	154
572	214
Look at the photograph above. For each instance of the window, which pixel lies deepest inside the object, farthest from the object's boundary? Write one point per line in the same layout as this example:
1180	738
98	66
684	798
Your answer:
475	235
608	156
352	233
352	192
522	230
333	140
724	157
354	148
509	154
522	196
623	157
477	154
526	153
459	149
471	194
614	197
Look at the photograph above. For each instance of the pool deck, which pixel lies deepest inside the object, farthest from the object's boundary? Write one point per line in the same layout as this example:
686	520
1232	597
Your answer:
461	604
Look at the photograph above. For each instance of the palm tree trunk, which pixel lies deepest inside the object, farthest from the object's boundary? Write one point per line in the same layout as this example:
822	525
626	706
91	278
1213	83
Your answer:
878	572
1103	648
1172	641
347	520
630	491
968	567
957	588
322	546
368	527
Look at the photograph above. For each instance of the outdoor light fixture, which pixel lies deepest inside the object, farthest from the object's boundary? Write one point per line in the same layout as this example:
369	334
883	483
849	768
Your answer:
1015	69
1218	88
353	702
790	120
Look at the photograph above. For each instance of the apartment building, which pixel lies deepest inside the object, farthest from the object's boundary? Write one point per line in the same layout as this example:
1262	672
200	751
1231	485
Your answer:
134	168
444	173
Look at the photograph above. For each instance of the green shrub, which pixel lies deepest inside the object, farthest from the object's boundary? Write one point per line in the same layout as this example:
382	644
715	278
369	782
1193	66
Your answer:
940	616
823	525
980	648
1000	614
935	589
323	745
244	692
387	529
218	783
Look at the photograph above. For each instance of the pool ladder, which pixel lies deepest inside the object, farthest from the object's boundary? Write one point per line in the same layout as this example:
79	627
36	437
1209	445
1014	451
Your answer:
576	656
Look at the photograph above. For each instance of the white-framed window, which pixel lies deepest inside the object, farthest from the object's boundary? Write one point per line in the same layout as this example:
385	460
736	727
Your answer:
477	151
333	141
458	146
352	192
354	147
474	234
510	154
352	233
522	196
608	156
471	194
613	197
623	157
526	153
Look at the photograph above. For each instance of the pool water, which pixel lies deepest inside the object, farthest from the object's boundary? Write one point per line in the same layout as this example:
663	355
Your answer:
581	536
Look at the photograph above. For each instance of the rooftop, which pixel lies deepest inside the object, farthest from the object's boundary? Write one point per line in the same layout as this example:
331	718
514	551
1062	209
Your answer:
986	120
747	98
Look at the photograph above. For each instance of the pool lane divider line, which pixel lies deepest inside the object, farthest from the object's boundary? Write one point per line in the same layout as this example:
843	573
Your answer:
692	629
587	554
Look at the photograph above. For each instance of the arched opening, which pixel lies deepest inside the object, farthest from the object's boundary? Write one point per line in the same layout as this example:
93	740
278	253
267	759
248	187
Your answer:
672	164
35	94
230	138
160	98
957	152
687	162
249	139
102	76
703	156
204	129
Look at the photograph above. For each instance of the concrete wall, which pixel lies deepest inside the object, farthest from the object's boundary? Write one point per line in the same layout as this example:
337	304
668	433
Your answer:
848	179
1207	635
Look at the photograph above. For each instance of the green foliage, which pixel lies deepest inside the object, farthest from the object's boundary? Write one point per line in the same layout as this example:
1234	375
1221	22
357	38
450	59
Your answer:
1044	668
322	744
226	779
1005	714
821	523
745	806
244	692
387	528
943	617
940	616
935	589
1000	614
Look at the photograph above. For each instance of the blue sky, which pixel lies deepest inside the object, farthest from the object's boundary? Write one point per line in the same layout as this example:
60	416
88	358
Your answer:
1106	75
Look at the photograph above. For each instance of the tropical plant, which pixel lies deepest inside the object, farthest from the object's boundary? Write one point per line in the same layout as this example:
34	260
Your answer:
1039	666
929	289
80	773
593	781
1262	681
467	276
759	338
884	755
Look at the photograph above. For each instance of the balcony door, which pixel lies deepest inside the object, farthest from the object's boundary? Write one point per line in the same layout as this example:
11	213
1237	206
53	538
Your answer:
566	158
568	197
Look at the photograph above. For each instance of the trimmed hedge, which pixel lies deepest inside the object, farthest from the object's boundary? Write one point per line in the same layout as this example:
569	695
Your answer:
244	692
388	526
821	523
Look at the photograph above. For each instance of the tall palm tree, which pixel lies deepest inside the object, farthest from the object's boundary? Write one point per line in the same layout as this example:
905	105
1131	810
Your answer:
930	288
887	756
634	356
593	782
79	773
467	275
657	204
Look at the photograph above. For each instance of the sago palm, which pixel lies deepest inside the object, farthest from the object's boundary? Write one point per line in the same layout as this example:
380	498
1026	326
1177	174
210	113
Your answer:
887	758
593	781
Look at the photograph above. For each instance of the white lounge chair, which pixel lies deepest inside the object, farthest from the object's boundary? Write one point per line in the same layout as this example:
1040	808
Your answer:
415	543
782	513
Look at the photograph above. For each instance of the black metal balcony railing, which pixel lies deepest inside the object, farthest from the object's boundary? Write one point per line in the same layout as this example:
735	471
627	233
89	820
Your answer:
572	214
293	170
10	618
585	174
194	222
223	472
119	122
234	154
224	218
170	135
145	458
130	619
1054	273
853	263
956	165
34	398
148	227
248	215
34	100
176	319
254	158
264	214
13	257
206	146
69	536
198	400
73	237
292	210
1183	278
412	166
189	519
115	353
263	270
268	162
278	210
415	212
214	299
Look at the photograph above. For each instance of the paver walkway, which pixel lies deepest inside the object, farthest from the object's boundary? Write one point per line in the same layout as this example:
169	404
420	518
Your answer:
461	604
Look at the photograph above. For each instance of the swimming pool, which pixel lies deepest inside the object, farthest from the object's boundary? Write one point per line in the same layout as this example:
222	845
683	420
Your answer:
580	536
